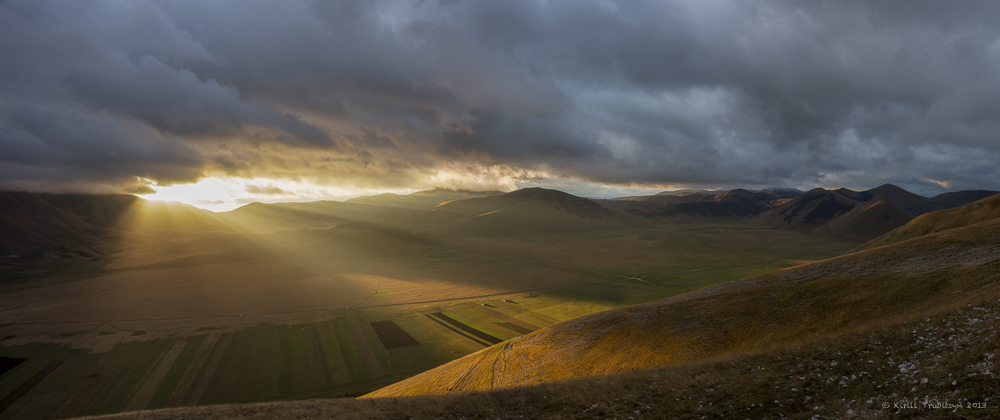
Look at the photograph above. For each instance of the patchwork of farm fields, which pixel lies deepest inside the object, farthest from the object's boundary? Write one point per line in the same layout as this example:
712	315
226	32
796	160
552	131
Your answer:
337	357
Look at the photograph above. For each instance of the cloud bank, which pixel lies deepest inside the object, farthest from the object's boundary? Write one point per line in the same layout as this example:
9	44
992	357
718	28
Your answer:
106	96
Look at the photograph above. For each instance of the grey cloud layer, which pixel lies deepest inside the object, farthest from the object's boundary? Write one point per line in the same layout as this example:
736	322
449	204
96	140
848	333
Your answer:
373	94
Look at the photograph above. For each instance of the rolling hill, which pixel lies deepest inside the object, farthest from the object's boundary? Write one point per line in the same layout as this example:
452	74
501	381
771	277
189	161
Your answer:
527	211
729	205
387	209
783	192
658	201
893	193
420	200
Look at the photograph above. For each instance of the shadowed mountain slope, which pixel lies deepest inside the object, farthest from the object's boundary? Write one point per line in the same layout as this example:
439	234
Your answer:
954	199
876	216
977	212
658	201
39	223
819	299
809	211
104	210
917	205
30	224
893	193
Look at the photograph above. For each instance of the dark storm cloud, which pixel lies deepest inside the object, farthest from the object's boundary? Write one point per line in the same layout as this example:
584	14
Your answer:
371	93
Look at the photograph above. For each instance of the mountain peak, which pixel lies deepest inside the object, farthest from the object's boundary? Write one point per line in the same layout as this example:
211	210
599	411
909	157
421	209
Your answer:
893	192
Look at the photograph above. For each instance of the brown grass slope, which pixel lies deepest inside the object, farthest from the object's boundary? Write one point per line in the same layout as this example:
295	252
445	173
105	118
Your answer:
969	214
823	298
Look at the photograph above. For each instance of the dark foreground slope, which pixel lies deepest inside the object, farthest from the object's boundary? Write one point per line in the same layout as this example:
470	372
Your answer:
828	297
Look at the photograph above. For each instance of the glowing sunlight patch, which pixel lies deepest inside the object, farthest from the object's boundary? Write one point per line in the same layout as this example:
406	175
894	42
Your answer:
224	194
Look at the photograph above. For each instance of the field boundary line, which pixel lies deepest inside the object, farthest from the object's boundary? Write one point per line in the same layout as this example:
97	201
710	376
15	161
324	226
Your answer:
366	348
27	386
140	399
455	330
177	397
209	371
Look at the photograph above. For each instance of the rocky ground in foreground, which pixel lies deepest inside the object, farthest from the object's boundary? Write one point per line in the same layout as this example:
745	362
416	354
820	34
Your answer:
941	366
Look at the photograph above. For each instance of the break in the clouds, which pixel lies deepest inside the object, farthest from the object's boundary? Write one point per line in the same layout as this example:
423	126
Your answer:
372	95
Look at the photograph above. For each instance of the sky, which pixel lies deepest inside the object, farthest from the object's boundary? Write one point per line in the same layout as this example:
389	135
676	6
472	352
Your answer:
219	103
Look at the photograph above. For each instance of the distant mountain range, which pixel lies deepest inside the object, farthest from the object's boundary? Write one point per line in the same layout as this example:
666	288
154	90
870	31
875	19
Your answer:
842	213
78	225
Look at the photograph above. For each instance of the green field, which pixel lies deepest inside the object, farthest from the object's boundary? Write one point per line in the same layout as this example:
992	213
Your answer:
502	287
